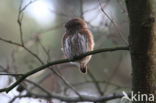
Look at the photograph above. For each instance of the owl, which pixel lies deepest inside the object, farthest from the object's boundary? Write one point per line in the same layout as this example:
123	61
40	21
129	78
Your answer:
77	40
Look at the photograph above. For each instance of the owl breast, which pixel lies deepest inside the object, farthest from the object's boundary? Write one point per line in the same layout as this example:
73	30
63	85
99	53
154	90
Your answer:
75	45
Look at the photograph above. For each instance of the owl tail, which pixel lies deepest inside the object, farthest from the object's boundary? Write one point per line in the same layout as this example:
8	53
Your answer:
83	68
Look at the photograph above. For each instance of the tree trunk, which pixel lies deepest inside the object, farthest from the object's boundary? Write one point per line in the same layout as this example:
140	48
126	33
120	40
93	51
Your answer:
142	42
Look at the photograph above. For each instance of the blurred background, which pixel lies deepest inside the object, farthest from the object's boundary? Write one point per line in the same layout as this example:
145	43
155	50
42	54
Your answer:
41	22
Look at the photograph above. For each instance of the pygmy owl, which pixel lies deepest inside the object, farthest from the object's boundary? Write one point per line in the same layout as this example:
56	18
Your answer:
76	41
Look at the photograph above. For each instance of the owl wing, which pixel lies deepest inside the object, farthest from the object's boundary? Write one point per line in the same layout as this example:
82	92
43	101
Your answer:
74	45
65	45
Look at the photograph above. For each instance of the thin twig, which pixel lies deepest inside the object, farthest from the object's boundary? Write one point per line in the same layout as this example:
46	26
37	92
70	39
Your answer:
97	85
122	6
17	44
112	76
115	25
35	55
11	74
10	42
20	17
103	81
3	68
59	13
22	9
42	79
46	51
81	9
29	81
75	99
99	82
91	9
38	86
66	82
19	21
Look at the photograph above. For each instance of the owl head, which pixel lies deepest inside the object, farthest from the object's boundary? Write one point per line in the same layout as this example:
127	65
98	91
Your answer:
75	25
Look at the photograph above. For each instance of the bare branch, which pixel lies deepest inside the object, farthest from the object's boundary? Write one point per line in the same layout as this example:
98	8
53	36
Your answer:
74	99
19	80
95	82
81	9
10	74
57	13
10	42
42	79
33	54
17	44
110	78
19	21
38	86
29	92
20	17
22	9
66	82
115	25
29	81
103	81
92	9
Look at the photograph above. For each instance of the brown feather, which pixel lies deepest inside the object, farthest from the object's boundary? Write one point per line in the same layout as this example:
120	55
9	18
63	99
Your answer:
78	40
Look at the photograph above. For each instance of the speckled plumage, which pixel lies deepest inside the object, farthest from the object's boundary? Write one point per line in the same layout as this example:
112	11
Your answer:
77	40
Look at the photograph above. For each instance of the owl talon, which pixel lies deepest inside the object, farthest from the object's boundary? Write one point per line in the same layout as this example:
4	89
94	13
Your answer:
83	68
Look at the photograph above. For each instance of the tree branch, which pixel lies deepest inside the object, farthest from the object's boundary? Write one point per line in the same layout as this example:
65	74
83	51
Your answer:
22	46
20	79
20	17
114	24
10	42
11	74
74	99
95	82
65	81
